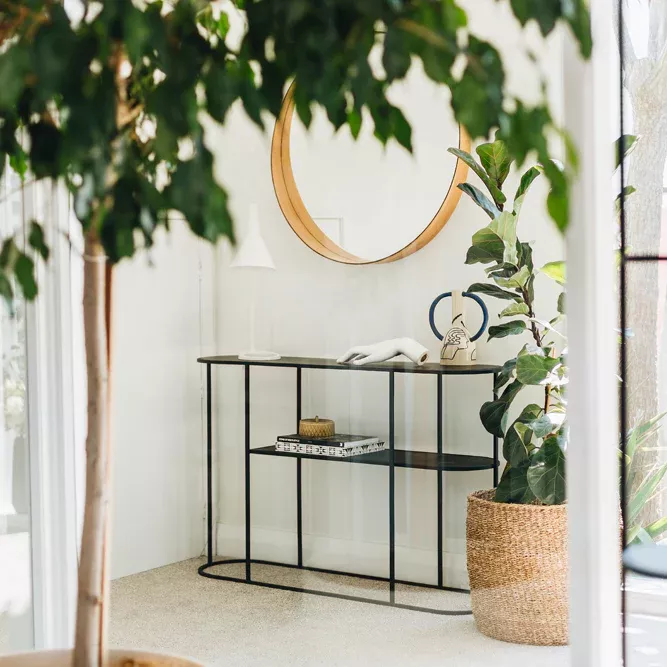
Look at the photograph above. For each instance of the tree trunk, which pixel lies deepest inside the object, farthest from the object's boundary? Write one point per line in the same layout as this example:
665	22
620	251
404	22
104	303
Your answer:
644	230
90	617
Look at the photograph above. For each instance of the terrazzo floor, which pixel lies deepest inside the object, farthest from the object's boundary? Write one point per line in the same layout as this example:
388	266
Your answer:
173	610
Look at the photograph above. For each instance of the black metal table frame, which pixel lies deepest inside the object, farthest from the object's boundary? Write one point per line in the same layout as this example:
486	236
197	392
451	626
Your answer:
299	364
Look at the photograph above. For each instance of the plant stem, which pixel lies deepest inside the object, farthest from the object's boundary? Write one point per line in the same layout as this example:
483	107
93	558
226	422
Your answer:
90	649
531	317
89	646
539	342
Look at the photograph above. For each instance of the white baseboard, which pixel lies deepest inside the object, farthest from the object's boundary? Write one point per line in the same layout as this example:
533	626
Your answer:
371	558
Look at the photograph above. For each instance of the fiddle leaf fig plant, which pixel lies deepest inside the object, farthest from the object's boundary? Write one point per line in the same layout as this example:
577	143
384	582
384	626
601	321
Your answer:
535	442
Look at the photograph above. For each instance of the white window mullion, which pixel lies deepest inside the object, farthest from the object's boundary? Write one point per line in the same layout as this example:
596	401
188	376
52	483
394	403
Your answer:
592	466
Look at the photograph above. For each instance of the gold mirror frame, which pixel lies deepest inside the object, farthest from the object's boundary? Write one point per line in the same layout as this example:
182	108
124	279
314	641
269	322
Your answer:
306	228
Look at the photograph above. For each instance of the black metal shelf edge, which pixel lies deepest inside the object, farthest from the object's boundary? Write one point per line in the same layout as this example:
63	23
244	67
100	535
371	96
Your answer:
332	364
402	459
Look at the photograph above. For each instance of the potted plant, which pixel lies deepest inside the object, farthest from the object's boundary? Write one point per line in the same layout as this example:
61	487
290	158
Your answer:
517	533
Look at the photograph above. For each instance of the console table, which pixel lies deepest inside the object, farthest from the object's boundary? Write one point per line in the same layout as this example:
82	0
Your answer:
391	458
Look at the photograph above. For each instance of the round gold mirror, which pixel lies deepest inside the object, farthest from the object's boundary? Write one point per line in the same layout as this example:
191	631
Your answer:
357	202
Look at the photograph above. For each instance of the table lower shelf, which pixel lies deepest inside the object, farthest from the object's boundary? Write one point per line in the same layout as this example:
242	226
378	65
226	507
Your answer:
403	458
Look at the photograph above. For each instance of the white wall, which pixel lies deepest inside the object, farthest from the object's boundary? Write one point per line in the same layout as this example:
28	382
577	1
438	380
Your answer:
312	306
163	315
187	303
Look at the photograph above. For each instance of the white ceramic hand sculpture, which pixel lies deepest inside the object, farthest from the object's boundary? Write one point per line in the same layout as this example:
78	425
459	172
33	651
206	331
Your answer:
384	350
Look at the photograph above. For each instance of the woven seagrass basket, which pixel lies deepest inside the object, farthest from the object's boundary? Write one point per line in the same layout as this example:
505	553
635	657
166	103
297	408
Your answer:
518	570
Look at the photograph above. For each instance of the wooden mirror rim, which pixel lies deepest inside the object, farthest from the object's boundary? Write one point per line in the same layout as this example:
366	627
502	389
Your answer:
300	220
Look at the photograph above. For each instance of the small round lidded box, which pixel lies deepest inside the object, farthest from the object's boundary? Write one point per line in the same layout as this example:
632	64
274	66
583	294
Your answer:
316	428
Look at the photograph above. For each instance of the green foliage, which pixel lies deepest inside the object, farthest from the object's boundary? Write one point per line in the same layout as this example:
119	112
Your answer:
112	105
644	484
534	444
623	146
496	161
555	270
513	328
480	199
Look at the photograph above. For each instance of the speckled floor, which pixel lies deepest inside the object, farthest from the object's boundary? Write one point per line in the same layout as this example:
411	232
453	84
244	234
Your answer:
173	610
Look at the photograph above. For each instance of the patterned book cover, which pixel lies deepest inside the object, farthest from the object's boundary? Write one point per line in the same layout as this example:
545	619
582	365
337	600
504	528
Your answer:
344	440
322	450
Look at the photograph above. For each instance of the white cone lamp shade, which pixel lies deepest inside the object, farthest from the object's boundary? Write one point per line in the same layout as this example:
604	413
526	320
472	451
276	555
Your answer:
253	254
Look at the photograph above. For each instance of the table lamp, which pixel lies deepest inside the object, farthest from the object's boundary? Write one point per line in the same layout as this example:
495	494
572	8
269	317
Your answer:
254	256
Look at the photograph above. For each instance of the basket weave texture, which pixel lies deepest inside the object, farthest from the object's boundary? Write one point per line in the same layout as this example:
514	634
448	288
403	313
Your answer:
518	570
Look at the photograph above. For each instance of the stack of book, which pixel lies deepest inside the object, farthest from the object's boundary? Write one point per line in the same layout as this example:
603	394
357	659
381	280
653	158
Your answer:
339	445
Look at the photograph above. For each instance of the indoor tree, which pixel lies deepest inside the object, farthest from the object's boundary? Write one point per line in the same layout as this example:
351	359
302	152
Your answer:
110	105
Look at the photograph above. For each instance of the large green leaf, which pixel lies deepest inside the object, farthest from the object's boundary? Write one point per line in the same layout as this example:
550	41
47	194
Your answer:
514	309
561	303
480	199
622	196
516	281
525	254
546	15
505	227
513	487
494	413
505	374
14	66
657	528
500	270
494	291
533	369
530	413
555	270
496	160
396	58
37	241
623	146
546	474
525	183
645	492
512	328
547	424
558	198
498	197
487	246
515	443
24	269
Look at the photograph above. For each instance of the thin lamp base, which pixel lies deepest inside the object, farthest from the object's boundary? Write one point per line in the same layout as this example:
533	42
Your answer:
259	355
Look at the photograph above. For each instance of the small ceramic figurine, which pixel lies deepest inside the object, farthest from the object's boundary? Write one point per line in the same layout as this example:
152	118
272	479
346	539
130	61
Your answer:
458	346
384	350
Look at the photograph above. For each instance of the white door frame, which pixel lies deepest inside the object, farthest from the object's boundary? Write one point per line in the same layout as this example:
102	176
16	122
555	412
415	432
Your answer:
593	464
